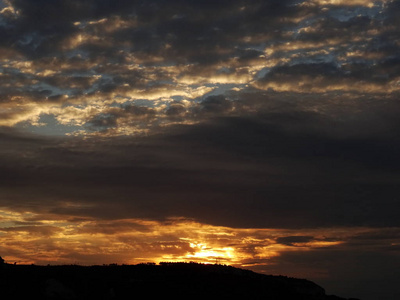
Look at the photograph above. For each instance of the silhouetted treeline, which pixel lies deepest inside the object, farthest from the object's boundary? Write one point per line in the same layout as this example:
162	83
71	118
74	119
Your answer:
151	281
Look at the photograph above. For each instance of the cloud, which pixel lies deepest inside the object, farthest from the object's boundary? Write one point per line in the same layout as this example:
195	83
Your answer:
216	104
186	236
281	168
326	254
292	240
100	53
325	77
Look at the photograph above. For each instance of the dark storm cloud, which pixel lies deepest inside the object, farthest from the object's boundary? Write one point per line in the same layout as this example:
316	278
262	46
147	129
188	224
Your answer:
38	28
175	109
208	35
215	104
104	121
197	32
291	240
281	169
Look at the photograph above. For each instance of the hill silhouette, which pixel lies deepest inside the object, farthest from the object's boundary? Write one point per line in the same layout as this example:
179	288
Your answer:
151	281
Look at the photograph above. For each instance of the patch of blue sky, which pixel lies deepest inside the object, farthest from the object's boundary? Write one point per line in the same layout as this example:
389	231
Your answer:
142	102
261	74
160	82
221	89
178	98
49	126
314	58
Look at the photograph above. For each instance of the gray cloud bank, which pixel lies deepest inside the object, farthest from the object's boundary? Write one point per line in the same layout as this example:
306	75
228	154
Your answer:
281	167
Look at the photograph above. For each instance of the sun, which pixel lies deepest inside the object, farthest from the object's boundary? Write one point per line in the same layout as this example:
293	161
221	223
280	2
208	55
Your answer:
208	254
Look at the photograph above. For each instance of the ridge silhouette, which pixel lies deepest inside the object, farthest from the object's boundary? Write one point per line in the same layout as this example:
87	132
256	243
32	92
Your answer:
150	281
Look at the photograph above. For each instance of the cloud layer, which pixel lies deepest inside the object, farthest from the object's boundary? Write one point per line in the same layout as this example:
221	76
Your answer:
79	65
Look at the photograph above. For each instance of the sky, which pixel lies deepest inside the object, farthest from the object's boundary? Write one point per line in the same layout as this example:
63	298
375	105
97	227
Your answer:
258	134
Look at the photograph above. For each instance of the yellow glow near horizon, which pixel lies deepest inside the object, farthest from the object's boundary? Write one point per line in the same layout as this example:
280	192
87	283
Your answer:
27	237
206	253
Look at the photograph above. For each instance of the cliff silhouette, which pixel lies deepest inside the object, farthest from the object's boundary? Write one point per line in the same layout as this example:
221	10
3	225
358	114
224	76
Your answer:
151	281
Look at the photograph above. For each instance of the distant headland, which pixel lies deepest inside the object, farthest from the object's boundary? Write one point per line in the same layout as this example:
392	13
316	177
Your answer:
179	280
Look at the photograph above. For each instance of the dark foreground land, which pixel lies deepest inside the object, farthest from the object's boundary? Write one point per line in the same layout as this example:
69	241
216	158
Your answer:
149	281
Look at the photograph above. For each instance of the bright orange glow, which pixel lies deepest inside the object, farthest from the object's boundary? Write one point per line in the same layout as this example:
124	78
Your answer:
27	237
205	253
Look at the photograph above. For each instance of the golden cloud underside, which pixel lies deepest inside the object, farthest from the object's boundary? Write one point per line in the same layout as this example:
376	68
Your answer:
33	238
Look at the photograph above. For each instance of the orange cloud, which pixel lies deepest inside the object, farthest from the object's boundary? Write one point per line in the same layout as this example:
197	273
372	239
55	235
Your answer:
33	238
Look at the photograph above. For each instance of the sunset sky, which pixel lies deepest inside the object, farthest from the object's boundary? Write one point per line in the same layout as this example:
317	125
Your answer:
258	134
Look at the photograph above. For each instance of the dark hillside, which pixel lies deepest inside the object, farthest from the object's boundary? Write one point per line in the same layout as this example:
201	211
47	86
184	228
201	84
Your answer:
179	280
